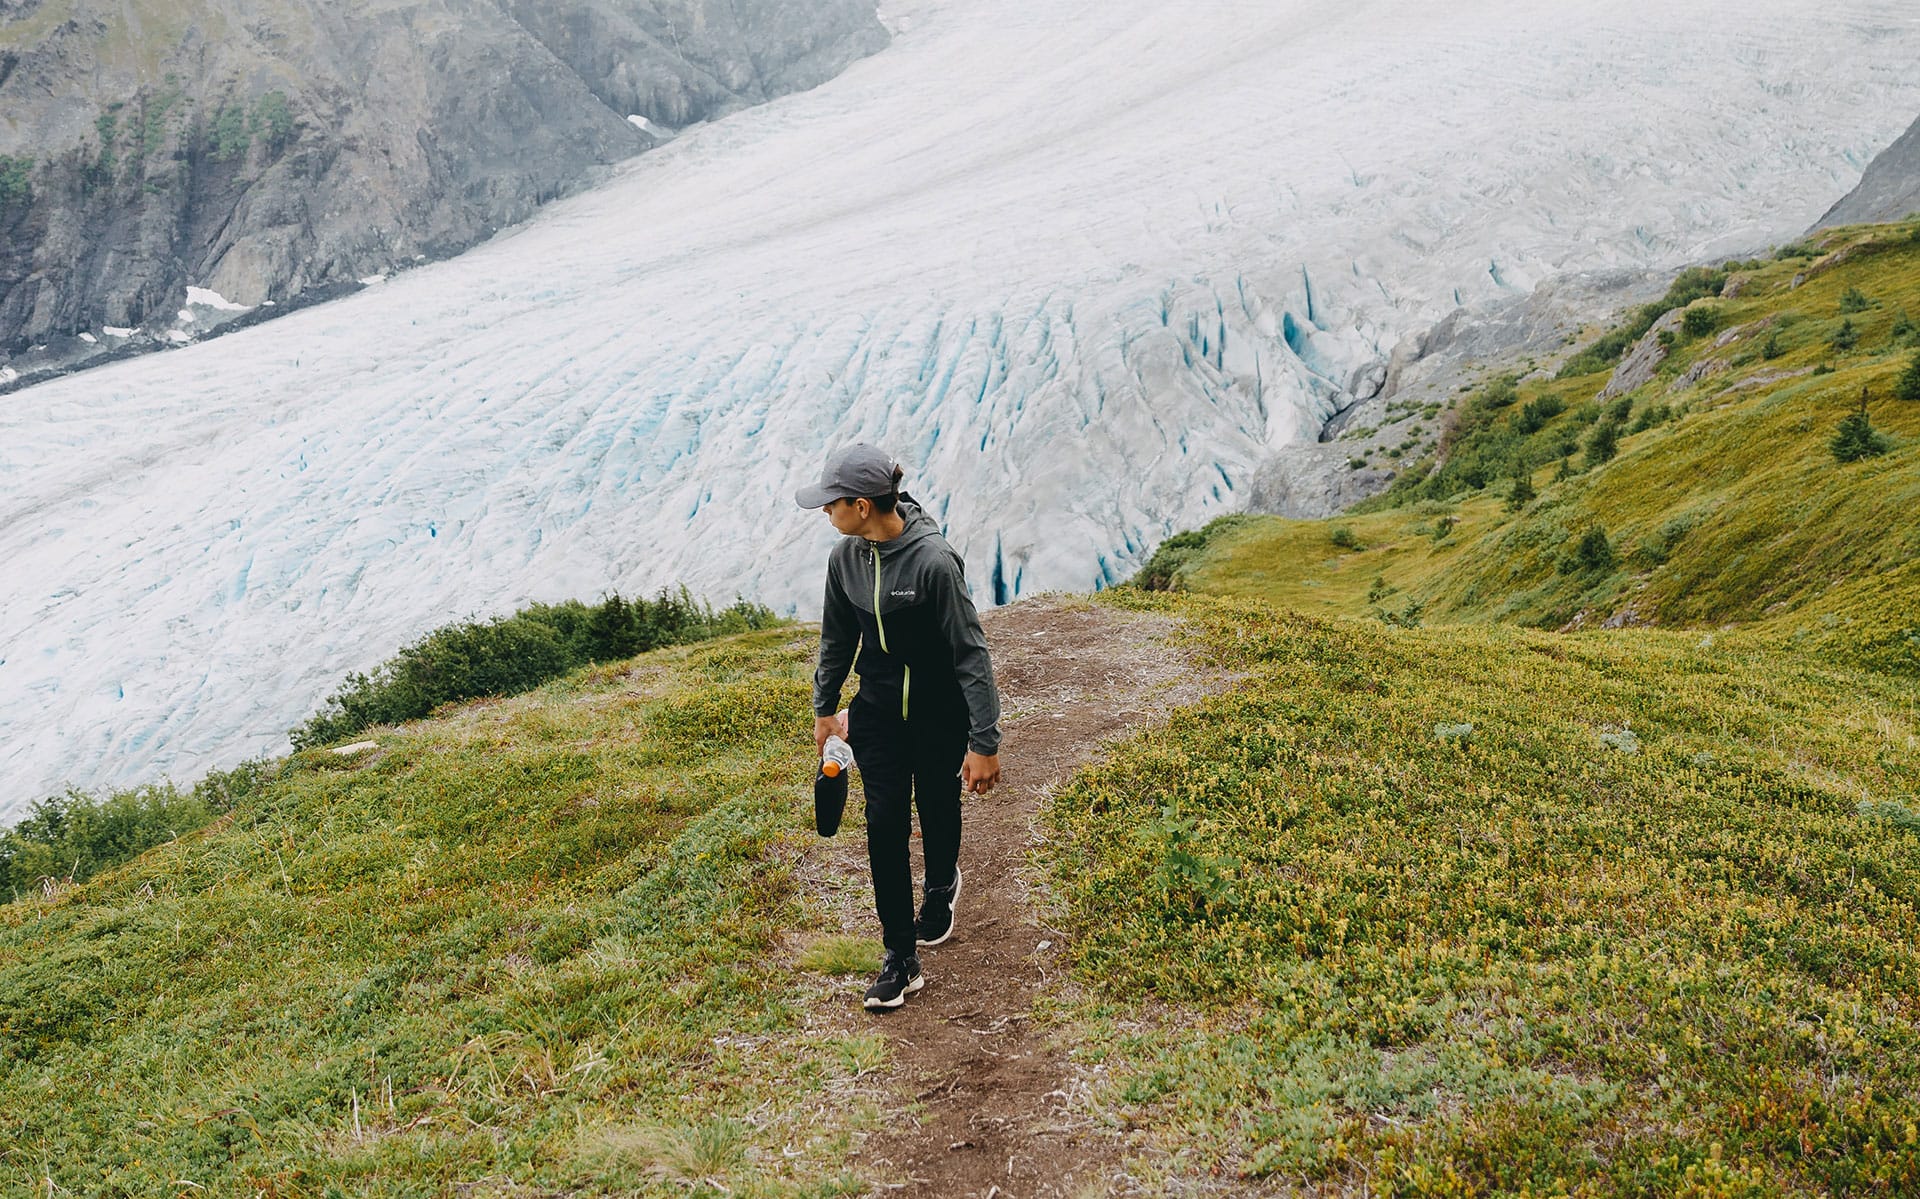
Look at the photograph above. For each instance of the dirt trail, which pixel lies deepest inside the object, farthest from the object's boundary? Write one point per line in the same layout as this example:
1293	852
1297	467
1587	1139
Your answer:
1002	1111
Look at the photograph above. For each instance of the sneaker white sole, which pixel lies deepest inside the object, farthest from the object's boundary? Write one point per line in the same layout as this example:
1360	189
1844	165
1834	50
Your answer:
953	912
880	1005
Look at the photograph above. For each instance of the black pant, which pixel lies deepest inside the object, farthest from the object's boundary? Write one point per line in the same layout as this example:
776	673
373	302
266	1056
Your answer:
902	764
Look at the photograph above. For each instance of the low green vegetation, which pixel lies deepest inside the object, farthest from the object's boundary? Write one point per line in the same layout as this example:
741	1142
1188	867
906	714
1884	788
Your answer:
1164	570
1486	911
70	838
1717	484
1693	284
545	944
517	653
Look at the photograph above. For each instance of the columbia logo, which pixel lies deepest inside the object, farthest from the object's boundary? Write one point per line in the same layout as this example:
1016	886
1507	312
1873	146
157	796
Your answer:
901	594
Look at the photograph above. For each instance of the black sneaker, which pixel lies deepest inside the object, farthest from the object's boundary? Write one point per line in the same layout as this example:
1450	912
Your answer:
935	924
899	978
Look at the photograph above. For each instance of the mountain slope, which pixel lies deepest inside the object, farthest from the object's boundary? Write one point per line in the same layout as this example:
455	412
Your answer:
261	150
1313	931
1724	506
1888	191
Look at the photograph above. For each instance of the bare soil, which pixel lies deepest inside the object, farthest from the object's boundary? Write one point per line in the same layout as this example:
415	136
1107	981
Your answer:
982	1103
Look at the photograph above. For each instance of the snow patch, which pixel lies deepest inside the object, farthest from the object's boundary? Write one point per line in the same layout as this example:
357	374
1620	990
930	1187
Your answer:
210	298
116	331
89	338
645	126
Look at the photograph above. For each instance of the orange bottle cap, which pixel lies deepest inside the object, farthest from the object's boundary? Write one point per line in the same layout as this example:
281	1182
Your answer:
830	769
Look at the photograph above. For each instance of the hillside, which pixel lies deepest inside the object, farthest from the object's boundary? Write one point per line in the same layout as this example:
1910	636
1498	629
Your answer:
1406	912
1724	505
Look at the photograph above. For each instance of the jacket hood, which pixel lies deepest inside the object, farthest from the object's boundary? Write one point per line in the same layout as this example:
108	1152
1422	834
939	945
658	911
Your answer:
920	526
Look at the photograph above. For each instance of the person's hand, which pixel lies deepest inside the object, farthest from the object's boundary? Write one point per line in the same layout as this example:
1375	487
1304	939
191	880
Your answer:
979	773
824	727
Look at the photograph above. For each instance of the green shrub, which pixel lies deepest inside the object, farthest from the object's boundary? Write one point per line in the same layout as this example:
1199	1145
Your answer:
1854	300
1694	283
1846	336
1343	537
72	837
1903	327
1772	349
1907	386
1603	443
1522	493
1659	546
1592	554
16	187
1651	415
1407	617
1699	321
272	119
228	138
1856	439
1537	412
517	653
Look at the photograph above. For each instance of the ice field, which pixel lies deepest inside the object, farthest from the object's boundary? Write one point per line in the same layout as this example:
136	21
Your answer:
1080	265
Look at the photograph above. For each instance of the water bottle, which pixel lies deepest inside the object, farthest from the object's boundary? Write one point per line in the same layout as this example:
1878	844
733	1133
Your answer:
830	786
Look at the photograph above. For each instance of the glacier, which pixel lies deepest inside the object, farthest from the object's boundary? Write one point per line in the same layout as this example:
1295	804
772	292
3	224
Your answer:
1080	265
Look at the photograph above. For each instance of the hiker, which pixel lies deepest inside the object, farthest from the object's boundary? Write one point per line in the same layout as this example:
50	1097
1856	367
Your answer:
926	722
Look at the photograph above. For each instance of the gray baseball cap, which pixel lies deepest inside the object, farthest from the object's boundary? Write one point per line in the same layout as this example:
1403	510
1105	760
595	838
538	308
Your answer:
853	472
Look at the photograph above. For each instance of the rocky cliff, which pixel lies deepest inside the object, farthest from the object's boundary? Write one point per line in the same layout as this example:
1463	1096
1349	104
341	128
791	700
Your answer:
270	150
1888	191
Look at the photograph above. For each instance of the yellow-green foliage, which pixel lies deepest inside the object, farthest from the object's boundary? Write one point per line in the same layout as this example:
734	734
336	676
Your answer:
1730	510
534	940
1631	932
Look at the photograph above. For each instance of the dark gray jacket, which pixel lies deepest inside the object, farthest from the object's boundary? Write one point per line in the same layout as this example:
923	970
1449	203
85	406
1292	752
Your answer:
922	658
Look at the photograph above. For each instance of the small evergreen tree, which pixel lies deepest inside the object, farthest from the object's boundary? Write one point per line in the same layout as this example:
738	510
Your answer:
1566	468
1903	326
1603	443
1771	348
1856	437
1854	300
1523	492
1907	386
1846	336
1593	553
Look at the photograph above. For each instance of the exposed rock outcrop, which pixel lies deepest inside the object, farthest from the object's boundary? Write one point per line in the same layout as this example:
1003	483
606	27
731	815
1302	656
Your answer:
1356	455
263	148
1644	359
1888	191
